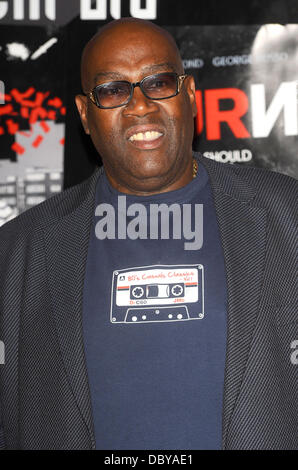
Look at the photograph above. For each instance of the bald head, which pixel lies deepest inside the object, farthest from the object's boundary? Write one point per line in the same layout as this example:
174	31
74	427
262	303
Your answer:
120	34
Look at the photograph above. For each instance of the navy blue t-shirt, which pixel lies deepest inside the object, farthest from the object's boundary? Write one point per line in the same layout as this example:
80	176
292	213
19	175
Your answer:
154	319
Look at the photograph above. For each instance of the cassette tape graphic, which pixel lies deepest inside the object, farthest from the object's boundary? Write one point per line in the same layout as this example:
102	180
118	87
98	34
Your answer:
157	293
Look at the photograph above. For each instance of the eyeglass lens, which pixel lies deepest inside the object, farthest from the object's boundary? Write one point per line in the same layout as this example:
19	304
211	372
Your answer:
157	86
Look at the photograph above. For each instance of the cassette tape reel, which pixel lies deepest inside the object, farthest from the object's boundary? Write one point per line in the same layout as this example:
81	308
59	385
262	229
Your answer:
157	293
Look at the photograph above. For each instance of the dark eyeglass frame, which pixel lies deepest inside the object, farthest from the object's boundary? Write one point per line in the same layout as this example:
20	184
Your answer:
179	82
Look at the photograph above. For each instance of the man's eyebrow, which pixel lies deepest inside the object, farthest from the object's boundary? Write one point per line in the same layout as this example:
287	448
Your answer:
113	75
163	66
150	68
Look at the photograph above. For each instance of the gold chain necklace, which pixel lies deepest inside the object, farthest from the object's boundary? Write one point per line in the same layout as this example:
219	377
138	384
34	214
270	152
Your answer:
194	167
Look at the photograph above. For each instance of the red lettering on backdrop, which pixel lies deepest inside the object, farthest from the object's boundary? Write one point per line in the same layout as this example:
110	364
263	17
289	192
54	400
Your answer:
12	126
18	148
44	126
37	141
214	116
7	109
20	97
33	106
199	116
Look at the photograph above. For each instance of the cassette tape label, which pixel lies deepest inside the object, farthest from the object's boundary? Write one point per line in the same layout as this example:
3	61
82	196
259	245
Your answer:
138	292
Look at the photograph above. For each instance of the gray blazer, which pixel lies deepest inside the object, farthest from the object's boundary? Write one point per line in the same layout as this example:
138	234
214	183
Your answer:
44	392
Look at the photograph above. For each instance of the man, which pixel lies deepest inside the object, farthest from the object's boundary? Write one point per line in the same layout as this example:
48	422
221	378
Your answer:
153	305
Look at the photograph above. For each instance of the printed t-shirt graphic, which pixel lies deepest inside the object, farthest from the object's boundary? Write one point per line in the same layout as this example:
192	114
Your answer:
157	293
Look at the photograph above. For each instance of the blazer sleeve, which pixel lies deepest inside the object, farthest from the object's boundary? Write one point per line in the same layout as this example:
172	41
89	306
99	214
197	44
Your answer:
2	442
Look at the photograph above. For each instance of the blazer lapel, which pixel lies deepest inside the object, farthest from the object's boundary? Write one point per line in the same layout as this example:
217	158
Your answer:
242	226
66	248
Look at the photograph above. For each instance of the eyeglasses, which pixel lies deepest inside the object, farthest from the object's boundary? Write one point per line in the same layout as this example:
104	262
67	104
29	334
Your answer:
119	93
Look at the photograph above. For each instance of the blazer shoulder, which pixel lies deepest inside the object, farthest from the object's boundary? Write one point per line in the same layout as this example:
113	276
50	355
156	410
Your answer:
271	185
248	182
259	176
276	192
264	175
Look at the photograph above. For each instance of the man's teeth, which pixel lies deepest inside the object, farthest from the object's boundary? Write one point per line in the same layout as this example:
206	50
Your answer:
148	135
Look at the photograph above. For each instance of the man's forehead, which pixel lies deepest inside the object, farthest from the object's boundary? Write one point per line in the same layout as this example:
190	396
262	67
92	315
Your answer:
148	48
131	44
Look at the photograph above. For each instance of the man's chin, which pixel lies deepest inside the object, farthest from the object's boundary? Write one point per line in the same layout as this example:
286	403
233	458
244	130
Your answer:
148	182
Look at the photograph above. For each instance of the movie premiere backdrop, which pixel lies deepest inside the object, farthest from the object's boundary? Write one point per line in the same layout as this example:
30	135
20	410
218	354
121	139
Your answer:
244	58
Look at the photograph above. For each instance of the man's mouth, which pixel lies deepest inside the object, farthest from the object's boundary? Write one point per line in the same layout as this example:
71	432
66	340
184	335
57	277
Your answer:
147	136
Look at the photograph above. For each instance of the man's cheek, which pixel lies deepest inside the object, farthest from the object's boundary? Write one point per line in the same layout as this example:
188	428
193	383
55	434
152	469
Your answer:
97	129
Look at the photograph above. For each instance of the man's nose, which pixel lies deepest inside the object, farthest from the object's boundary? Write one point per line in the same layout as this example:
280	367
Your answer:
139	104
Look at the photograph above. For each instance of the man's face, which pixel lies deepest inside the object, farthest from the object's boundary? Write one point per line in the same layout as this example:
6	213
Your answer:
160	159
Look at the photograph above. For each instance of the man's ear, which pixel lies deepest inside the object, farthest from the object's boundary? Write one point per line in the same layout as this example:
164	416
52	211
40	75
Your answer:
191	90
81	102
